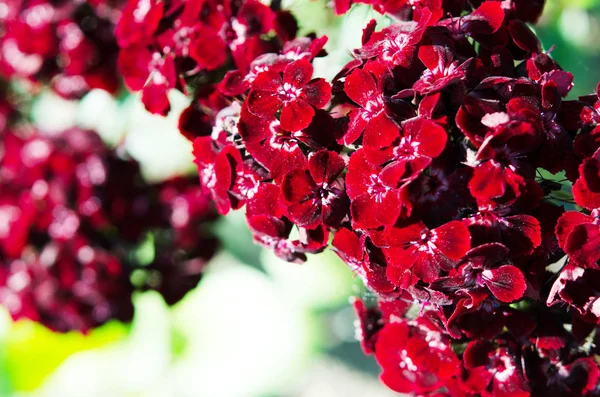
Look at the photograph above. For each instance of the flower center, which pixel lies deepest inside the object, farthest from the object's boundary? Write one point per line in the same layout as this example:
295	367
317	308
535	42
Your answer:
394	46
407	148
289	93
208	176
247	184
377	188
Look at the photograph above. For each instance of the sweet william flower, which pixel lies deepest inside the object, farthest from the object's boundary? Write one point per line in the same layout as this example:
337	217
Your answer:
414	357
437	54
426	252
408	150
270	228
500	172
520	233
486	266
316	195
578	235
294	92
495	369
396	45
578	287
375	195
74	49
371	115
364	259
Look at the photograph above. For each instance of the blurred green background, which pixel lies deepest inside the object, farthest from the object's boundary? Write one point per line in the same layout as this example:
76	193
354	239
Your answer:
256	326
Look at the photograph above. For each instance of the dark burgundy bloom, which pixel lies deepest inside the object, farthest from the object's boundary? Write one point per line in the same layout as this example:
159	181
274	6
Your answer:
415	357
499	170
224	174
364	259
493	369
374	193
586	190
265	216
371	116
578	287
442	69
69	286
409	150
579	236
276	149
396	45
520	233
425	252
486	266
316	195
294	92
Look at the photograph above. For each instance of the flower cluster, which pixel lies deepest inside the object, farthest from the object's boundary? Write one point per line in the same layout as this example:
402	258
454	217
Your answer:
189	45
72	214
429	160
67	44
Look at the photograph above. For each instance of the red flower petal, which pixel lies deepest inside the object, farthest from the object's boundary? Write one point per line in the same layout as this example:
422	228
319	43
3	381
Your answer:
584	196
567	222
364	213
487	18
490	181
297	186
507	283
139	20
347	244
317	93
296	115
298	73
208	57
361	88
325	167
452	239
583	245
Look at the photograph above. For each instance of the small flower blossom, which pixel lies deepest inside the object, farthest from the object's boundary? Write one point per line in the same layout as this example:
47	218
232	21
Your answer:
294	93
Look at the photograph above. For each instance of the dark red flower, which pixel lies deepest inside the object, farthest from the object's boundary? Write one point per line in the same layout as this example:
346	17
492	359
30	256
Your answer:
578	287
499	170
486	266
396	45
371	116
374	193
579	236
74	49
520	233
414	358
294	92
316	195
493	369
364	259
426	252
442	70
407	151
271	229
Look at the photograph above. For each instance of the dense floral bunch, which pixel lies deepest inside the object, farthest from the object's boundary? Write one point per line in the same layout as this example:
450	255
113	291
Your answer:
72	213
428	159
67	44
189	45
